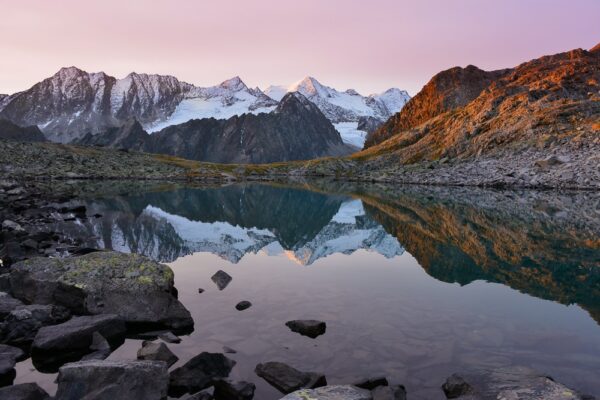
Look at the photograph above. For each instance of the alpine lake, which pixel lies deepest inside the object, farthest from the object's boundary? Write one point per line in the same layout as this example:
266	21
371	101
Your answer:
414	283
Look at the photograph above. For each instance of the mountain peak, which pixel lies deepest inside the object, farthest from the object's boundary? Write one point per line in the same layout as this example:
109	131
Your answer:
236	84
309	86
69	72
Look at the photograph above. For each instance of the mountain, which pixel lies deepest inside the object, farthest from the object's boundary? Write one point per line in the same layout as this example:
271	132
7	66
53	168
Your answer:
550	103
10	131
73	102
295	130
446	91
345	109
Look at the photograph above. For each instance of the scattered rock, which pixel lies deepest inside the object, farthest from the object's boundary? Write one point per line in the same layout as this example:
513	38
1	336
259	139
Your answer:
200	290
21	324
7	369
372	383
23	391
334	392
56	344
229	390
113	380
243	305
221	279
169	337
396	392
455	386
551	161
307	327
7	304
286	379
9	225
199	373
228	350
157	352
131	286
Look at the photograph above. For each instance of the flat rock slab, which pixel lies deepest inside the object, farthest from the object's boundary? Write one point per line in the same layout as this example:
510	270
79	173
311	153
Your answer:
56	344
23	391
334	392
286	379
131	286
113	380
307	327
199	373
514	382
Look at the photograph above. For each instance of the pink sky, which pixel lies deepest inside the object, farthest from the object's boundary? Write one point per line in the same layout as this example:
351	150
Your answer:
366	45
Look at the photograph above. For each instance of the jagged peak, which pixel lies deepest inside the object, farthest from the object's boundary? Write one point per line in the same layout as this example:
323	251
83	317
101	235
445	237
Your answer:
595	49
69	72
308	85
292	99
236	84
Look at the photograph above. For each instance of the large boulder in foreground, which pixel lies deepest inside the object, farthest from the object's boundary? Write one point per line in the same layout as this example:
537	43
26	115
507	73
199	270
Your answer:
56	344
140	291
23	391
334	392
113	380
513	382
199	373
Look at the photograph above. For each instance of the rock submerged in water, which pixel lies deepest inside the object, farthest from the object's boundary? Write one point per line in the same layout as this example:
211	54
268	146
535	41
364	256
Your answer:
23	391
286	379
221	279
307	327
230	390
455	386
56	344
334	392
395	392
199	373
157	352
113	380
372	383
140	291
243	305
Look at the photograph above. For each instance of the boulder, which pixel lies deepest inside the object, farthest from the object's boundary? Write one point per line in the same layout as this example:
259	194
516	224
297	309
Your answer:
15	352
7	304
286	379
100	348
199	373
22	324
157	352
229	390
372	383
200	396
307	327
137	289
243	305
396	392
221	279
23	391
334	392
169	337
69	341
513	382
112	380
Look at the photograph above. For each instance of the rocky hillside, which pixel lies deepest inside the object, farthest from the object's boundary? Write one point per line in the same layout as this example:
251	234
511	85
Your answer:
10	131
543	103
295	130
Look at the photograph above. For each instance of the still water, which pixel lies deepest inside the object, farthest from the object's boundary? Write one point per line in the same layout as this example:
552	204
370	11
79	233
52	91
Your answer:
413	283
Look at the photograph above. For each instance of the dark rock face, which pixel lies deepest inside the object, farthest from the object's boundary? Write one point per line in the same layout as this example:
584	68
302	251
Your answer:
369	124
7	369
24	391
455	386
138	290
7	304
157	352
113	380
56	344
221	279
11	131
243	305
397	392
21	325
295	130
229	390
100	348
199	373
14	352
287	379
307	327
446	91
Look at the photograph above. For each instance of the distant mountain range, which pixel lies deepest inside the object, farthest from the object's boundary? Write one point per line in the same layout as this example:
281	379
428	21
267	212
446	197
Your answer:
73	103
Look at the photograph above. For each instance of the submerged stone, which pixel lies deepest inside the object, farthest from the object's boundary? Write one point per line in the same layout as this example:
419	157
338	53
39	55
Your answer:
307	327
334	392
199	373
286	379
221	279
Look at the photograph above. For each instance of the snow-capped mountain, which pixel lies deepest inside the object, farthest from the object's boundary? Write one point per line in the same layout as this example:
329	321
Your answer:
73	102
345	109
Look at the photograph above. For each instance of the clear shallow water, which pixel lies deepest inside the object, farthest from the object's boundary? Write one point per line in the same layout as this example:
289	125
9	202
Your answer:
414	284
